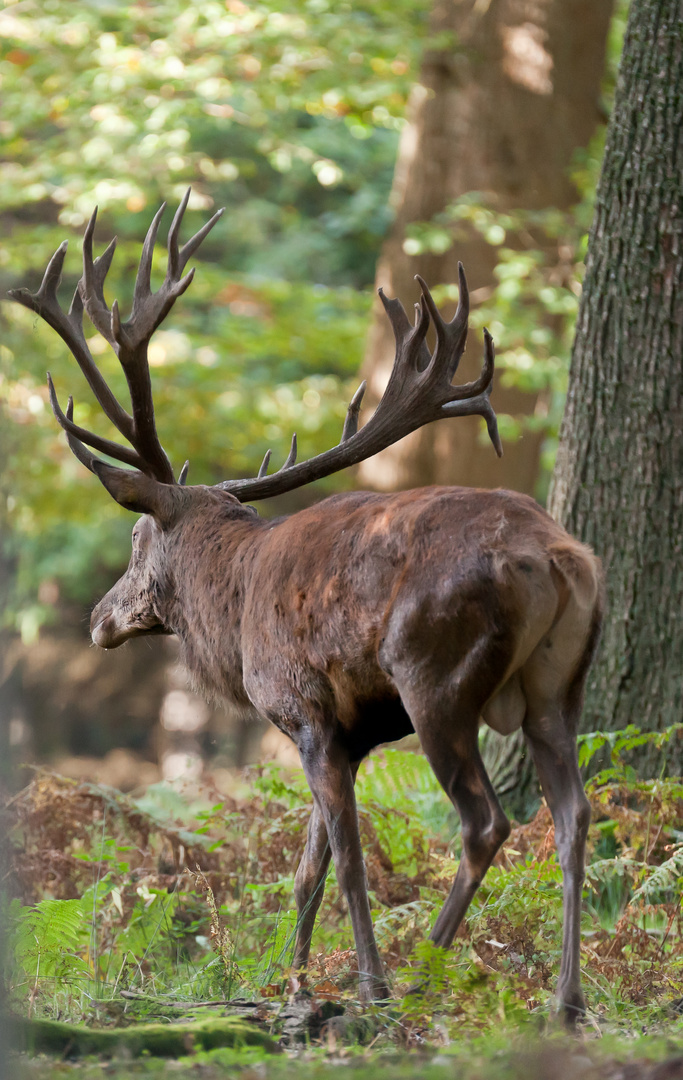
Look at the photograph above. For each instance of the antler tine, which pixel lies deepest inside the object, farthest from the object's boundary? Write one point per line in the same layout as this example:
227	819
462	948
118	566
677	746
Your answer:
352	413
463	310
177	259
75	445
105	446
478	406
70	328
291	456
53	276
91	285
44	302
263	471
174	267
149	308
188	249
483	383
412	351
143	280
452	336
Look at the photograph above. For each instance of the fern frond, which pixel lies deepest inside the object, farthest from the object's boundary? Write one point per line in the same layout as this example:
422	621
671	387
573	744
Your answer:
662	878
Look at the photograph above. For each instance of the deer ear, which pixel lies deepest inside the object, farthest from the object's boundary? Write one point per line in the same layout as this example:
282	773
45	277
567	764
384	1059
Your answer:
135	491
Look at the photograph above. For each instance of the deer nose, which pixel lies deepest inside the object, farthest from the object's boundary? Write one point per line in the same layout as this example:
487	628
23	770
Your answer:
103	631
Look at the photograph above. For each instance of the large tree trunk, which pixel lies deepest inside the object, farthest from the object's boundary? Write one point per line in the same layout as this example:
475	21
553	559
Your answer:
502	110
619	476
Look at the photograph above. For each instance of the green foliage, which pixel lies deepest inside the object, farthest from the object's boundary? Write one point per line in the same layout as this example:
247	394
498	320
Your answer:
640	831
397	789
128	100
532	308
620	744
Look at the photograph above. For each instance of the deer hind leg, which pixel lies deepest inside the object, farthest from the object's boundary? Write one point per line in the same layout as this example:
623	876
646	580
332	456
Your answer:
550	732
554	754
309	883
331	776
553	680
446	720
460	771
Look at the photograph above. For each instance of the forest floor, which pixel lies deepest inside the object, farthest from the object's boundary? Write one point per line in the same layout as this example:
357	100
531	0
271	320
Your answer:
163	924
552	1060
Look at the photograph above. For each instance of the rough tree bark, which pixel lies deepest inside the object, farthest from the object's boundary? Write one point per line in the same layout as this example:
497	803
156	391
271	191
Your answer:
501	110
619	476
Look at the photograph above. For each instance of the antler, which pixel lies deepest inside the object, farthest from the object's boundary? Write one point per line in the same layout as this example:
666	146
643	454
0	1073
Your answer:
129	340
419	391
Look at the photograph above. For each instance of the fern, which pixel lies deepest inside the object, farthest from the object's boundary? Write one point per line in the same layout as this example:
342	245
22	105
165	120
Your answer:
602	871
622	742
403	781
663	878
49	939
393	777
403	921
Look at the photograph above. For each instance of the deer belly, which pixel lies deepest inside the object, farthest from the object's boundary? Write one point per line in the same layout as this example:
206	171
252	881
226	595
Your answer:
506	710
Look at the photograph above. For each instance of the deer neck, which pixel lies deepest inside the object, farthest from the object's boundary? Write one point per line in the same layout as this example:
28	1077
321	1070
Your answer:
212	562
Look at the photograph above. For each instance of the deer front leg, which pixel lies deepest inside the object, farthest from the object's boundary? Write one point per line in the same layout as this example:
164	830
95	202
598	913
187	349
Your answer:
309	883
331	777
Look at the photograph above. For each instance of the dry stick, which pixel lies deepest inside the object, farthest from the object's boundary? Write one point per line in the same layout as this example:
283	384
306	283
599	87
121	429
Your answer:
670	924
235	1003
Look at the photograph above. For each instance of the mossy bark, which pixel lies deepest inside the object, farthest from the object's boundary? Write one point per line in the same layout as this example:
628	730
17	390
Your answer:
619	476
161	1040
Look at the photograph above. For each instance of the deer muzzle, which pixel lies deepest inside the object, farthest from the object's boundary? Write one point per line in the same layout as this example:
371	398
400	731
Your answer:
104	631
118	617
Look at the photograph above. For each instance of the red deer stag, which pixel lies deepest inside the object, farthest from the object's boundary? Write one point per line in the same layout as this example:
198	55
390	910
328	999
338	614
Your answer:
361	619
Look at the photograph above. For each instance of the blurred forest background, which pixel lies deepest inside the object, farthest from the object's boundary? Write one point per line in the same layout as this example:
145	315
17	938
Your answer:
353	144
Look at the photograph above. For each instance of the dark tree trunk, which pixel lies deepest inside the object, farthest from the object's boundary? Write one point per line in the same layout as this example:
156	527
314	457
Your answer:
502	109
619	476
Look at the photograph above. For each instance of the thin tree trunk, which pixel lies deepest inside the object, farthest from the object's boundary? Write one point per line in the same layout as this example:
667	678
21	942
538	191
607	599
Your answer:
619	476
502	109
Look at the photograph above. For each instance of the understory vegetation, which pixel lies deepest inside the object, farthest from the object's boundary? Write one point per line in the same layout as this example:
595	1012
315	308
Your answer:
166	906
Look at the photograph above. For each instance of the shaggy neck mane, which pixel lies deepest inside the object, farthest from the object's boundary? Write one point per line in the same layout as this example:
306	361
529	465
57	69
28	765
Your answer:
213	557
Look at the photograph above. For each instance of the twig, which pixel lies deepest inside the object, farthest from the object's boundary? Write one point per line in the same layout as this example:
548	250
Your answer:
235	1003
